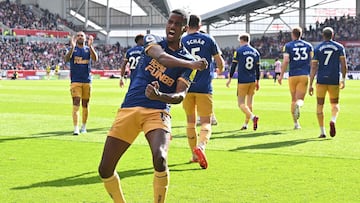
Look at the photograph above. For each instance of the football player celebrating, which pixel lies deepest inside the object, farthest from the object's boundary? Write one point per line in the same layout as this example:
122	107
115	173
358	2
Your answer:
161	79
80	57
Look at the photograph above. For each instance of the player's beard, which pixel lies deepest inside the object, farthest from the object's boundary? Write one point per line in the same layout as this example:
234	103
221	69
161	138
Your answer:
80	42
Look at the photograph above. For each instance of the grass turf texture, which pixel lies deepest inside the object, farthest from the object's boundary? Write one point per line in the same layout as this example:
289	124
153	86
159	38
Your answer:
40	160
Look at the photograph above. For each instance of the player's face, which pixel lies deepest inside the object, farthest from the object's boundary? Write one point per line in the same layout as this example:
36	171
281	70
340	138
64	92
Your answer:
175	27
80	37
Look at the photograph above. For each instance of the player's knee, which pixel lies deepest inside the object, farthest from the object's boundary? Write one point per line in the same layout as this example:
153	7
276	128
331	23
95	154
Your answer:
334	101
76	101
160	160
242	106
105	172
320	101
85	103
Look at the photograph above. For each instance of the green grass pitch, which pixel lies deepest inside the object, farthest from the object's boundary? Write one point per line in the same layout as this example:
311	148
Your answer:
40	160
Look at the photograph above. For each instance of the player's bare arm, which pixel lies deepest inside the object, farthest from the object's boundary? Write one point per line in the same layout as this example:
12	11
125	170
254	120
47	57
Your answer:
153	93
344	69
122	71
68	55
93	53
220	63
313	71
284	65
231	73
169	61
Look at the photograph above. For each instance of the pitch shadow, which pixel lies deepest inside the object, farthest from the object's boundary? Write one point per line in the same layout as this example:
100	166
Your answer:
273	145
243	134
94	179
49	134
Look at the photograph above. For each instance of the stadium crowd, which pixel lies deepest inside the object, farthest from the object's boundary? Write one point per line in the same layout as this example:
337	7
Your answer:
14	15
16	54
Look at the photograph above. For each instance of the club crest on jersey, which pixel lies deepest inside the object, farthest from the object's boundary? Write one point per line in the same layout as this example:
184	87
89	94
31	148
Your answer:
158	71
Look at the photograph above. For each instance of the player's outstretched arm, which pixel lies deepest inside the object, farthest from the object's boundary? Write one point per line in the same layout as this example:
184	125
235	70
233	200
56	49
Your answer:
169	61
153	93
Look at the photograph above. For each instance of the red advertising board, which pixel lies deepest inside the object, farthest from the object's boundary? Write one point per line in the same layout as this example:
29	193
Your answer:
26	32
26	73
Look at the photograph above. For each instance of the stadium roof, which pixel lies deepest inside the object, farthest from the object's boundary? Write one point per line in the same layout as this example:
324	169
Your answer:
256	10
161	5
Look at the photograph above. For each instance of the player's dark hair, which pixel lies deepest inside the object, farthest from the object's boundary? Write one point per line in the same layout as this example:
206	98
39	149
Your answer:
184	14
297	32
195	21
328	33
244	37
138	37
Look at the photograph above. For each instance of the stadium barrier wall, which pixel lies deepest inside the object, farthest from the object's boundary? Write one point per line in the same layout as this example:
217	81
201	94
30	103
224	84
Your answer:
97	74
48	33
63	74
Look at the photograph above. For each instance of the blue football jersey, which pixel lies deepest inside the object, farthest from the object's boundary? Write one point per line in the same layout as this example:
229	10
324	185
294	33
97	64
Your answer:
300	53
328	55
80	65
201	45
248	61
133	56
149	70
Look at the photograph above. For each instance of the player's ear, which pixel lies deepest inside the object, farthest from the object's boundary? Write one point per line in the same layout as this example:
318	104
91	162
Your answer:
185	28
